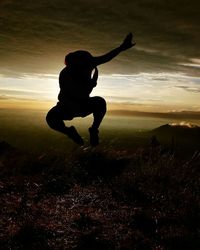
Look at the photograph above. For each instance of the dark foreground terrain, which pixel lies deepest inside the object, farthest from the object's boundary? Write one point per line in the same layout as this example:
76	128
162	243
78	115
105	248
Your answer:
99	199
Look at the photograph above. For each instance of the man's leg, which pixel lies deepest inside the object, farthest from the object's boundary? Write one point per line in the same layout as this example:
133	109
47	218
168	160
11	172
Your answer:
55	121
97	105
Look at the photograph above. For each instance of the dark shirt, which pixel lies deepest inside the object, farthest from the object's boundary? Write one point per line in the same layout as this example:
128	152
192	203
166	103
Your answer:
77	83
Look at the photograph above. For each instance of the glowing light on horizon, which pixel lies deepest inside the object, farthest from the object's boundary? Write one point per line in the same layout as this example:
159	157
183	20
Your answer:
153	91
183	124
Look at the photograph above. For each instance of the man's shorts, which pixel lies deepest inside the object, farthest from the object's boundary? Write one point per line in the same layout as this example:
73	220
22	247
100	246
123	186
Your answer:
75	108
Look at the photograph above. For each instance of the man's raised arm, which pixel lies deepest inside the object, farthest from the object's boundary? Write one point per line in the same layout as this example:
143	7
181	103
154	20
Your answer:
127	44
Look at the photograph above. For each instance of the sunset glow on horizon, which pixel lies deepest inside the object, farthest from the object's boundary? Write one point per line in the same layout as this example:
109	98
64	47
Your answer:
162	92
159	74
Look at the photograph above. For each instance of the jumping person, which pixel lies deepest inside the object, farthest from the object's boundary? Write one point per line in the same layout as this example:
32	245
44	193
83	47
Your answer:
76	82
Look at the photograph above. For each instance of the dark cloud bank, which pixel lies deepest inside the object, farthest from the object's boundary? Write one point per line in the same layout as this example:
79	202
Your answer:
35	35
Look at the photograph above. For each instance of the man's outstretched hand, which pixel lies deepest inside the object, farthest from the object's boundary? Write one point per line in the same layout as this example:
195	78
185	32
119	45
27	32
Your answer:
127	43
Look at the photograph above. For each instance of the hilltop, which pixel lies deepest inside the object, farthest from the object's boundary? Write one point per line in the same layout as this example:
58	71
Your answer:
98	199
177	129
182	136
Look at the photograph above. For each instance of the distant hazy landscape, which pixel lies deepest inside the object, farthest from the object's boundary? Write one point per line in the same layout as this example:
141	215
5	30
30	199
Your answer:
27	129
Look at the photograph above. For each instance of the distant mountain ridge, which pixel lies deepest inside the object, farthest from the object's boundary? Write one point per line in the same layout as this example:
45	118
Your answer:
182	135
170	128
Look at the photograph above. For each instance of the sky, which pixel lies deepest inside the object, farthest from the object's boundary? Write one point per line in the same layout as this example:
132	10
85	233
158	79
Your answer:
161	73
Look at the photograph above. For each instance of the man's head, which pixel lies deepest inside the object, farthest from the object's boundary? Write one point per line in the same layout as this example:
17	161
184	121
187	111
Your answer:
79	59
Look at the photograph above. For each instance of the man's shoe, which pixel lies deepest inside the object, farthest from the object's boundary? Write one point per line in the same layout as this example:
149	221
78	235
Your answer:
94	136
72	133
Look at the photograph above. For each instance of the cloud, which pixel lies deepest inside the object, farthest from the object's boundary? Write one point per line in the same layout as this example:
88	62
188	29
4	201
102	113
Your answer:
166	115
25	94
184	124
36	35
190	89
194	65
4	97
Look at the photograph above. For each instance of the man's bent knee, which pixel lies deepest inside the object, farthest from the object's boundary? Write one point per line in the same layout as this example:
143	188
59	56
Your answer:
51	118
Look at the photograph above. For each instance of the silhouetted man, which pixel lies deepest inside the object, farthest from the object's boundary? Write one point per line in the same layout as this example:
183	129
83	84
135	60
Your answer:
76	83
